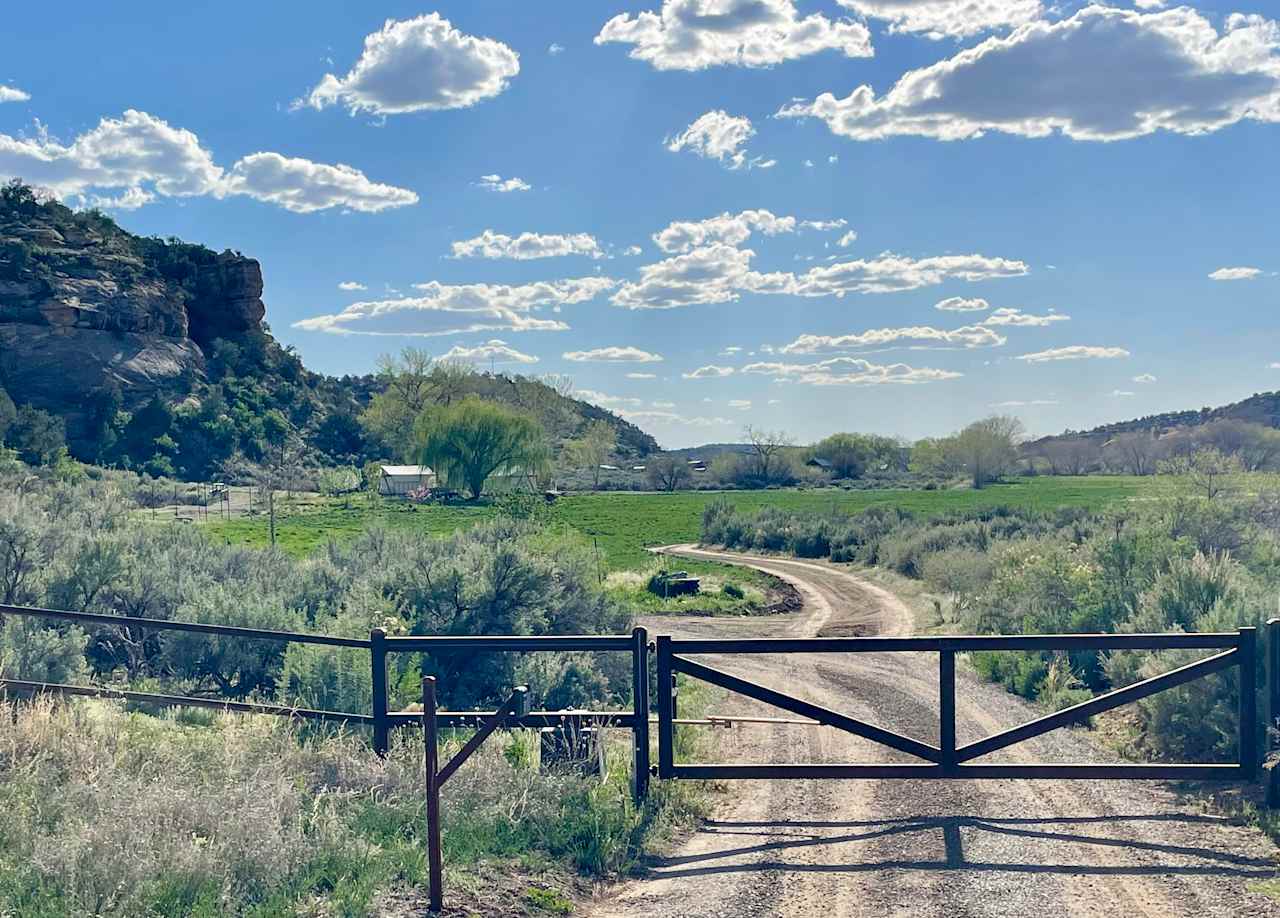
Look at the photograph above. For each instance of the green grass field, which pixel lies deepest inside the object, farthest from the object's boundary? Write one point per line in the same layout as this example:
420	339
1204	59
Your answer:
624	524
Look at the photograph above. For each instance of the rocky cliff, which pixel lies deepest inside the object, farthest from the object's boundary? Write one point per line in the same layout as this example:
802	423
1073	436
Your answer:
88	309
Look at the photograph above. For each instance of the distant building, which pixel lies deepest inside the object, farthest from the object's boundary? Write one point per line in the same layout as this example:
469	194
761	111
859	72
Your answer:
401	480
818	462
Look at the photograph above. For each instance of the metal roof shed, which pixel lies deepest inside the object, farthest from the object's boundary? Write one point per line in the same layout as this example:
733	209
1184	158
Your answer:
401	480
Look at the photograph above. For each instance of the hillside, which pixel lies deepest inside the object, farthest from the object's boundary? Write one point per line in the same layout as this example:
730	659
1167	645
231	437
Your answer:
1259	408
155	355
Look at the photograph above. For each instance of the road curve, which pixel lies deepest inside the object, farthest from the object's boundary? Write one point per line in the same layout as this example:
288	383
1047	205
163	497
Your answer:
925	848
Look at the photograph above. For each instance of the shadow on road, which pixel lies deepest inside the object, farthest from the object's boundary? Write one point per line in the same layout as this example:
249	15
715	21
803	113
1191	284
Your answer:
788	835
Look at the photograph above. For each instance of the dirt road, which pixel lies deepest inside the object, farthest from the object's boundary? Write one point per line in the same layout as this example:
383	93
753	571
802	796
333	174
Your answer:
936	848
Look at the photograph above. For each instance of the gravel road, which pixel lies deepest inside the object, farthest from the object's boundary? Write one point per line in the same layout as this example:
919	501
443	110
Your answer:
925	848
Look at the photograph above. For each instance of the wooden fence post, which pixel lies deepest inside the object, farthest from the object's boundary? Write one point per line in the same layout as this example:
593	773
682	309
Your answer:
435	865
378	660
640	708
1249	702
666	708
1272	657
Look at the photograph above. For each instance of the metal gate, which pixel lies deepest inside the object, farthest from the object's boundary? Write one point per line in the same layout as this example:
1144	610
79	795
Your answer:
946	760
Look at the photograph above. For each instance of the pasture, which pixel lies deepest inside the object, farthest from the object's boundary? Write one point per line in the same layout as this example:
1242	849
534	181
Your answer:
624	524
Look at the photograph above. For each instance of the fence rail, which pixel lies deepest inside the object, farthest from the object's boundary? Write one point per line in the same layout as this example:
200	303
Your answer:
379	645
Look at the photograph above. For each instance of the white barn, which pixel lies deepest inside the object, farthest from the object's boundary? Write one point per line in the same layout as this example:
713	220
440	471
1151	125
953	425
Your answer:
400	480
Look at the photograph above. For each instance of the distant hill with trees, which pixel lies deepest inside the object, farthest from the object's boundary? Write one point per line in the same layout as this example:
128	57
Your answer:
154	355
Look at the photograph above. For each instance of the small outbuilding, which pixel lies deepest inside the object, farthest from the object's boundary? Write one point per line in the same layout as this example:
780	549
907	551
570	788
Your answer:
818	462
402	480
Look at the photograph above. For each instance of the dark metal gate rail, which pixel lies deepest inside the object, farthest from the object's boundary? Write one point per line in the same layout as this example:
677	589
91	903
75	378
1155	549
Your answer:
1236	649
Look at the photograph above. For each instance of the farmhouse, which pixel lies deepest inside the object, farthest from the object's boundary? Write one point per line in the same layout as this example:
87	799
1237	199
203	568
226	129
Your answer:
401	480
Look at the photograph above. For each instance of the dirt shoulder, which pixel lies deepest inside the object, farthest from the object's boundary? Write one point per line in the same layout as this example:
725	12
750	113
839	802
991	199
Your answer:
926	848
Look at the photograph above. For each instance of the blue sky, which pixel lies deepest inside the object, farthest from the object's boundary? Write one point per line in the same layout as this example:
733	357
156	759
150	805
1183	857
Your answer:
1071	174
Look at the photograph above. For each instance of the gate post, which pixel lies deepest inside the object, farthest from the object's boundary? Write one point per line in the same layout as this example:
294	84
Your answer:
640	709
378	660
1272	657
431	749
1248	703
666	708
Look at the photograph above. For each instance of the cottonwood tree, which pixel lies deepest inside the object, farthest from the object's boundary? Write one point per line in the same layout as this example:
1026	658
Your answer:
767	453
1208	470
1256	445
1136	452
468	441
985	450
668	473
413	381
592	449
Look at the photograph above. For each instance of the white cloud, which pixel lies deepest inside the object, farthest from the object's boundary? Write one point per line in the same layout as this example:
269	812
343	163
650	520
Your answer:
1150	4
499	184
352	285
625	354
847	239
303	187
1274	366
695	34
1120	393
420	64
13	94
1074	352
554	49
710	371
146	157
740	404
960	304
495	351
729	351
670	417
663	405
720	136
1144	378
833	159
849	371
1010	316
633	250
1015	403
1102	74
1235	274
970	336
444	309
526	246
719	273
824	225
938	19
642	376
607	401
733	229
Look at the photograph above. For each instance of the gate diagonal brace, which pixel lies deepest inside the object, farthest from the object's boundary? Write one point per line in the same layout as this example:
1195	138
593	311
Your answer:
824	716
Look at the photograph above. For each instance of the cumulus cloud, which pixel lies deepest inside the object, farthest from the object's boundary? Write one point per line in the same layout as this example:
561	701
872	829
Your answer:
352	285
420	64
847	239
554	49
848	371
961	304
642	376
147	157
444	309
527	245
970	336
624	354
13	94
1010	316
1103	74
720	136
1017	403
501	185
711	371
494	351
719	273
732	229
740	404
661	418
303	187
938	19
1274	366
607	401
1120	393
1235	274
1144	378
696	34
1074	352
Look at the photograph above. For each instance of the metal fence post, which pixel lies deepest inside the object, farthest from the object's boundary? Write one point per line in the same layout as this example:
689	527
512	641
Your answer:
666	708
431	748
1248	703
378	660
640	706
1272	658
947	708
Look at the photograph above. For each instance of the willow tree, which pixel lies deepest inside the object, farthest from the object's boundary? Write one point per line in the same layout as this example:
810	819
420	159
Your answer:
468	441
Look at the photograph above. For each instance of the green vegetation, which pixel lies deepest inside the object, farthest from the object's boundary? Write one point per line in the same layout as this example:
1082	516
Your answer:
470	441
1196	558
623	524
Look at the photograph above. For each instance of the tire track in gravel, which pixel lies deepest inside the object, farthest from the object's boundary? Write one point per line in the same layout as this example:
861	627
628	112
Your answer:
928	849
